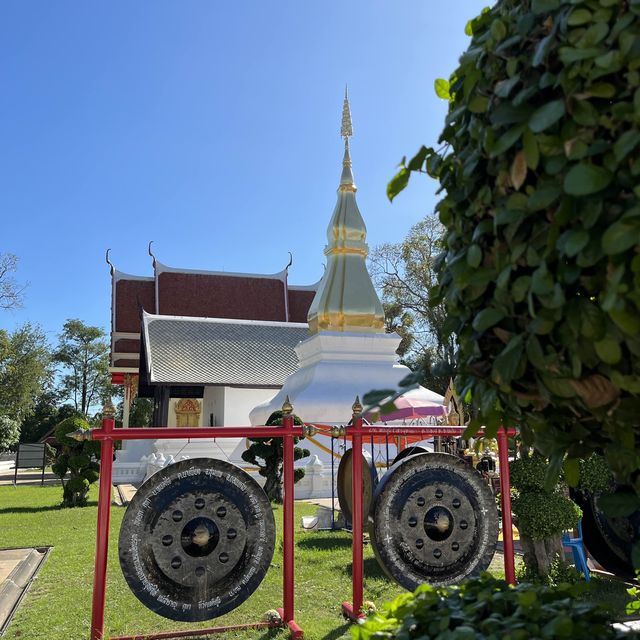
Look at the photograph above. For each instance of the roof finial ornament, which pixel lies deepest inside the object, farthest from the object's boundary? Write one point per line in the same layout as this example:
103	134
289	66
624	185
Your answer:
151	254
290	261
346	131
111	267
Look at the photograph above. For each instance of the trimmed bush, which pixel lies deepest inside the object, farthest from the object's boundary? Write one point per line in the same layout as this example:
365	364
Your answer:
266	454
79	459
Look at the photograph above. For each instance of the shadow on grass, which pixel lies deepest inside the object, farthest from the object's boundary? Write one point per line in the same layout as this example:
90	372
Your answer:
371	569
334	634
324	541
49	507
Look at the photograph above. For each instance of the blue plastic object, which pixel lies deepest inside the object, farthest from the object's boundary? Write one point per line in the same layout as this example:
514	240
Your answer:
577	548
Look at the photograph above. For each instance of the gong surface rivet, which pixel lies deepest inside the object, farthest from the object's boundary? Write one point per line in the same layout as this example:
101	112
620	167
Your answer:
231	534
420	501
177	515
176	563
199	503
419	543
439	493
437	553
413	521
167	540
223	557
464	524
456	503
221	512
455	546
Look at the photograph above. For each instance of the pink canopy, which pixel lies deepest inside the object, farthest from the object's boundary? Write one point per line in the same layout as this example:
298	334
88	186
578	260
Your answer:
415	404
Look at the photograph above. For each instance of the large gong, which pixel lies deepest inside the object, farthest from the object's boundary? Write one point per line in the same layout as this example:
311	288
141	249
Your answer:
344	483
609	540
433	520
197	539
409	451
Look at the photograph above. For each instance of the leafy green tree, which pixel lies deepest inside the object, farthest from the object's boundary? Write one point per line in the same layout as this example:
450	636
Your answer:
45	416
9	433
79	459
540	276
267	454
11	293
83	353
404	274
25	370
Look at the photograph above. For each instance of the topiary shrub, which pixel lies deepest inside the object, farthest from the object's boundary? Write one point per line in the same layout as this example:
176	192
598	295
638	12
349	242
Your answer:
595	476
266	453
488	608
541	515
79	459
540	167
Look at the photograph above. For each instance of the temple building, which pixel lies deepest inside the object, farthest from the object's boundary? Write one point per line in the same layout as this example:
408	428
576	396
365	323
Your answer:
181	331
216	348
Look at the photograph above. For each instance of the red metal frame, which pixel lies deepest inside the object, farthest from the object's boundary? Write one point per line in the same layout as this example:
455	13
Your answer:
353	609
288	431
108	433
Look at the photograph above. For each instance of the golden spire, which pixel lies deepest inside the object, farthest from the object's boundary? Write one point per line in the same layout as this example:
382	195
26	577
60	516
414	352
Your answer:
346	299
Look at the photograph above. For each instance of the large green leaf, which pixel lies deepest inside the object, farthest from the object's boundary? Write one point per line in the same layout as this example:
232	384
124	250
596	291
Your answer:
583	179
506	141
620	236
398	183
487	318
626	143
546	115
441	87
608	350
507	361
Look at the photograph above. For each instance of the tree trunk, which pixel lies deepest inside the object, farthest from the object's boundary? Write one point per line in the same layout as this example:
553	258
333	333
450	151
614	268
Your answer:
539	554
273	484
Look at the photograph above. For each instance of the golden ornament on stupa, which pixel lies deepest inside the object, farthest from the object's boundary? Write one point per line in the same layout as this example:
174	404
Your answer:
346	300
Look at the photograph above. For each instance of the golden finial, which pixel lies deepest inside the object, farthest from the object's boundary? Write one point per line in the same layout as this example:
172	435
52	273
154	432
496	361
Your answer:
357	408
346	299
337	431
346	130
309	430
108	410
287	407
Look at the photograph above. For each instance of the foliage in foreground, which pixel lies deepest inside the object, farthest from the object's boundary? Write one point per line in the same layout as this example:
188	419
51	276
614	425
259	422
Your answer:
486	608
79	458
541	275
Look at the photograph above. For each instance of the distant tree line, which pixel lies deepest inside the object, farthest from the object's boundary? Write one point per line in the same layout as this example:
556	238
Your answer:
42	384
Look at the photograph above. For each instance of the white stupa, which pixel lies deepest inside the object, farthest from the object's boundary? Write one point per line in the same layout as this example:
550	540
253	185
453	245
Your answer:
348	352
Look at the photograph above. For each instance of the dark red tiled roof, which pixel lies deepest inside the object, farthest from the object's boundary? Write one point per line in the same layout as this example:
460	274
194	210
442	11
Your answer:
131	295
299	303
219	296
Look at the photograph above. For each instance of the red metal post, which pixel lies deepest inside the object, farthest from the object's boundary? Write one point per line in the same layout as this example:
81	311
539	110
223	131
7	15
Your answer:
102	533
288	520
505	500
357	524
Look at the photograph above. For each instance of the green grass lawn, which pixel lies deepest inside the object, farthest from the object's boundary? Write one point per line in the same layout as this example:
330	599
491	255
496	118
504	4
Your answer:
58	606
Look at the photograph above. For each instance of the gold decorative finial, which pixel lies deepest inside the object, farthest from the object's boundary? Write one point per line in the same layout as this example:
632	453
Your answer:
346	299
346	130
357	408
108	410
287	407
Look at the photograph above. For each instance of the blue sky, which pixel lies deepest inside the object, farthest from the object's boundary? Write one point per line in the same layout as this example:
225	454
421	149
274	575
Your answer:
210	128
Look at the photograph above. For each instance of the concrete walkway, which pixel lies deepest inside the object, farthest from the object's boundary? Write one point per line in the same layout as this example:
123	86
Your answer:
18	567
